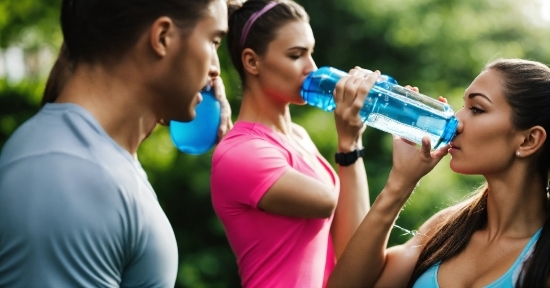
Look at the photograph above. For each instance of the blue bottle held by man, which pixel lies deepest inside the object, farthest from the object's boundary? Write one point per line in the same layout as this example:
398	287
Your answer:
388	107
200	134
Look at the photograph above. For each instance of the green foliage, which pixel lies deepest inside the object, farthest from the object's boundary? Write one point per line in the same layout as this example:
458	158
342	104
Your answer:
437	45
29	23
17	104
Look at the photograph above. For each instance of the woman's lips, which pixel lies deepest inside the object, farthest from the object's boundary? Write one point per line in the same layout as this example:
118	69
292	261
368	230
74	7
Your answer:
453	147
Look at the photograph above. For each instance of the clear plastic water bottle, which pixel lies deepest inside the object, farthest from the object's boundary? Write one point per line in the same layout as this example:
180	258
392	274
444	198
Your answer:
388	107
201	134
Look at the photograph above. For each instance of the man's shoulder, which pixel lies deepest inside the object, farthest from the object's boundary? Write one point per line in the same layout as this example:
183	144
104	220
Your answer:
83	205
57	134
72	210
59	152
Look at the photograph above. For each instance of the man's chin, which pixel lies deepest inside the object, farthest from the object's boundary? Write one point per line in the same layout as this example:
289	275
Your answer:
186	118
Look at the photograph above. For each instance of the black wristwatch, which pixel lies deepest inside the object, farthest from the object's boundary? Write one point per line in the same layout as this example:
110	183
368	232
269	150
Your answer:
346	159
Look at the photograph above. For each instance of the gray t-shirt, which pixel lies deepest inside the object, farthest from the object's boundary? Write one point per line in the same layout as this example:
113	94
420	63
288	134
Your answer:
77	210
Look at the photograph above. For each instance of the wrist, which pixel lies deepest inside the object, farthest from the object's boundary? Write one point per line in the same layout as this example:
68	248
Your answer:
348	158
345	146
400	188
387	206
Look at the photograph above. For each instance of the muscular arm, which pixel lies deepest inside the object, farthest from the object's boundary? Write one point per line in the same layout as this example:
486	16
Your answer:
366	262
63	227
353	204
363	261
298	195
72	224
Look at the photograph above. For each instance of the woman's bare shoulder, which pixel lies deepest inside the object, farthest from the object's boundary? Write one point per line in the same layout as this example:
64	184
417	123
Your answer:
429	227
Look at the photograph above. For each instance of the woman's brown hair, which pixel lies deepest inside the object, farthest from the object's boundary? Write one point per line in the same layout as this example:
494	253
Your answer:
263	31
527	89
60	73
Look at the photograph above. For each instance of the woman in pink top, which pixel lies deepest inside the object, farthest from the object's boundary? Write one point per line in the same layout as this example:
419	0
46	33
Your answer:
286	212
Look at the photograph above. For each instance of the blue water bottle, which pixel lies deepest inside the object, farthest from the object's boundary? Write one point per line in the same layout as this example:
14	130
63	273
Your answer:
201	134
388	107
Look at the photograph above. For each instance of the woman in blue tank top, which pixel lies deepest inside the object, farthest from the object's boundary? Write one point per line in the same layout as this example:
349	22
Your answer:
491	239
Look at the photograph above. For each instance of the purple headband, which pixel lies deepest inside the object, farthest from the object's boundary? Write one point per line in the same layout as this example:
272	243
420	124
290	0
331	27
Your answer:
253	19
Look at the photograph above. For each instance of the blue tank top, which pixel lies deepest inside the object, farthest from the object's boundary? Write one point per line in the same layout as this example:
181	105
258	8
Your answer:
428	279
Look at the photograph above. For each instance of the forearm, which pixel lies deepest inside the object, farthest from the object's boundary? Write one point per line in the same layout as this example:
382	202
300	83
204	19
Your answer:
353	204
363	260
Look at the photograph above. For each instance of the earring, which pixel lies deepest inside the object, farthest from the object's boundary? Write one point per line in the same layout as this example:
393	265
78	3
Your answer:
518	154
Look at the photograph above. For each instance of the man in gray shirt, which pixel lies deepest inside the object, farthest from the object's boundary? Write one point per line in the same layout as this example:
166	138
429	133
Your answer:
76	208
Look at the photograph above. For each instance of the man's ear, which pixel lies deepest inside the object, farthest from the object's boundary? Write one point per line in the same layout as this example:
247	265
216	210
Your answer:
162	33
533	140
250	61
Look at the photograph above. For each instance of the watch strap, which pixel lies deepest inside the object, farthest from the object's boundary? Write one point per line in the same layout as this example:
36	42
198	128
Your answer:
346	159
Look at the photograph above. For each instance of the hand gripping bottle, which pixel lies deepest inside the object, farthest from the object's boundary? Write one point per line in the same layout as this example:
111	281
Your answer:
388	107
199	135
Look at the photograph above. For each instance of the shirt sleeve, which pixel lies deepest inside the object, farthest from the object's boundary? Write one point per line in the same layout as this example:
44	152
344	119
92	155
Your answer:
64	224
243	172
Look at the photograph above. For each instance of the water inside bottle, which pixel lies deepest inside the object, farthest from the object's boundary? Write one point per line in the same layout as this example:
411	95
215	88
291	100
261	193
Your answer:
318	91
388	107
410	119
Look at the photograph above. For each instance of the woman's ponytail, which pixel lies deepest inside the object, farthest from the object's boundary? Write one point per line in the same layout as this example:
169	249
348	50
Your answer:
60	73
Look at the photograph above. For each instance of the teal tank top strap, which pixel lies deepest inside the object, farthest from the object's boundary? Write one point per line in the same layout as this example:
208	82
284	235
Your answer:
428	279
509	279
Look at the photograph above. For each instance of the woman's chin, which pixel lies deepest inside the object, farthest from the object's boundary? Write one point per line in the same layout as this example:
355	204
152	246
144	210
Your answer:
460	170
300	101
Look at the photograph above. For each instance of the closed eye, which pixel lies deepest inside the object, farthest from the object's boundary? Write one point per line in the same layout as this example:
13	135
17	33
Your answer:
217	43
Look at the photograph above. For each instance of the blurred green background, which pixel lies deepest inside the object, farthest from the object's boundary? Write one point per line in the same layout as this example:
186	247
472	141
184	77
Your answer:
437	45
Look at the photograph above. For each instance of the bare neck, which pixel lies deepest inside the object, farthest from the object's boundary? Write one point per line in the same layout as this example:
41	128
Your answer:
116	98
517	202
260	108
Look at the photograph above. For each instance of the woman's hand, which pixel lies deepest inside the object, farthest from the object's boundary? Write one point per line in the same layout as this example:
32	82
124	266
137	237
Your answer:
411	163
349	96
226	123
415	89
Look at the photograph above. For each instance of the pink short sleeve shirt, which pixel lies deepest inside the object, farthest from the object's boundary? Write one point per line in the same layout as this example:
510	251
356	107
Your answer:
272	250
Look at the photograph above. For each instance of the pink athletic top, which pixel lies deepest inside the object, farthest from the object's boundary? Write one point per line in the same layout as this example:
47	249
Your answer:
272	250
